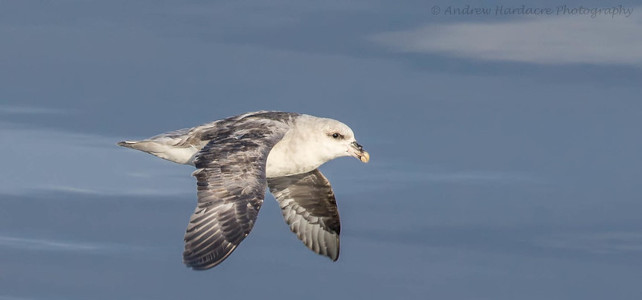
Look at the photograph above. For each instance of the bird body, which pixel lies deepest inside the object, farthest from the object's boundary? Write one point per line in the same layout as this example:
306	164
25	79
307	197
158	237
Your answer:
237	158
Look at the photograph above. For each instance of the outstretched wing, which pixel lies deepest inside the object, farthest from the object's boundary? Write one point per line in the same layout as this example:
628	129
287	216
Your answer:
231	186
309	207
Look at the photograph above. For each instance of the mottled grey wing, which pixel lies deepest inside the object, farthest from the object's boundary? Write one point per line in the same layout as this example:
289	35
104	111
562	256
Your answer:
231	187
309	207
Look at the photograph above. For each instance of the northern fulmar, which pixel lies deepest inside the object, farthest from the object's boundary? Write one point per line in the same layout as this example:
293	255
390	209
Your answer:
237	158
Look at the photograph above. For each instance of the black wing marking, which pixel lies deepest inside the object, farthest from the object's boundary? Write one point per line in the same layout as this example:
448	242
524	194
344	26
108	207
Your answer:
309	207
231	186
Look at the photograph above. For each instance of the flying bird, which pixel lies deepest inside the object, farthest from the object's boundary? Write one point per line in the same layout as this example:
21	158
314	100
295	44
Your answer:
237	158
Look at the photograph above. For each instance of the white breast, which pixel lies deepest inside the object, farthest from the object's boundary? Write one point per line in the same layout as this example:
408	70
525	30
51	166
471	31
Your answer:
291	156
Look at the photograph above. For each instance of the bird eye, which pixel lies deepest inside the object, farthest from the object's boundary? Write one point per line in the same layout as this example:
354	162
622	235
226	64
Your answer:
335	135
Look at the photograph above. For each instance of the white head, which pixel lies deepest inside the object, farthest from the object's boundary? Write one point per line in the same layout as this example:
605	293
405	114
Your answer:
331	139
310	143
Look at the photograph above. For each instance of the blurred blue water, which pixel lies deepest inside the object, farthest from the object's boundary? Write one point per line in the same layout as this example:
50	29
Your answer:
487	180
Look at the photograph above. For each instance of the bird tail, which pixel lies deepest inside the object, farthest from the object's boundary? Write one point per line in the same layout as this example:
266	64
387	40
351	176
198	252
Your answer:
180	155
129	144
144	145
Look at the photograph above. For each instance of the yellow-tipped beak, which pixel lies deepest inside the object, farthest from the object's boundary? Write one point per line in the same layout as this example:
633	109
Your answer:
364	157
358	152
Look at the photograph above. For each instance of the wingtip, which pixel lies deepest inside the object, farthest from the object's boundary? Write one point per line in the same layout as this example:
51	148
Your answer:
201	265
334	256
204	262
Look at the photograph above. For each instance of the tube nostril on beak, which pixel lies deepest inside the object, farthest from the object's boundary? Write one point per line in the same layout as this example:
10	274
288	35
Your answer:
356	145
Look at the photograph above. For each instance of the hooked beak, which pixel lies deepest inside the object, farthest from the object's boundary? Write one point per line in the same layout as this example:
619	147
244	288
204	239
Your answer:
357	151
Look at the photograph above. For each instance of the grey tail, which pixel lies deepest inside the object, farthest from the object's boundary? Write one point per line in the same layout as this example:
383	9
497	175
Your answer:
127	144
180	155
